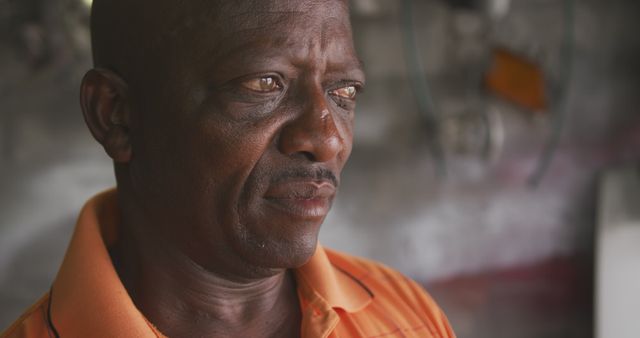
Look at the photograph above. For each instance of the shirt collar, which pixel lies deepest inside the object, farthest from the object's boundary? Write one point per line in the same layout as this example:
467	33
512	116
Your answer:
87	295
325	277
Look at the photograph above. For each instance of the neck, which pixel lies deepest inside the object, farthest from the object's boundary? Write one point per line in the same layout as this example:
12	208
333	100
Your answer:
183	299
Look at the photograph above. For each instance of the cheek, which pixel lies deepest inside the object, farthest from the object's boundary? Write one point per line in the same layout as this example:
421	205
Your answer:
223	155
346	134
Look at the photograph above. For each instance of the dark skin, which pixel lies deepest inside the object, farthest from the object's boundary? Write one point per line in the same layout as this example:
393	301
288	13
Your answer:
229	126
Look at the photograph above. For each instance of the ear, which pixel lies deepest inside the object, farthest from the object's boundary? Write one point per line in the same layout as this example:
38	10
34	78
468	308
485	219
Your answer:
106	108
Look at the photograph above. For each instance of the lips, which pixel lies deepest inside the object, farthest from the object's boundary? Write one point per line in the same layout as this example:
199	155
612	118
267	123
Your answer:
302	198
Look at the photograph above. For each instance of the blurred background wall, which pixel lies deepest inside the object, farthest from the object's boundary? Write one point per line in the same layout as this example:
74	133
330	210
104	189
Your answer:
488	197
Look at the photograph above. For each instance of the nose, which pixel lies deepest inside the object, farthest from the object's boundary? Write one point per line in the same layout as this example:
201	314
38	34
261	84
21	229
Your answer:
314	133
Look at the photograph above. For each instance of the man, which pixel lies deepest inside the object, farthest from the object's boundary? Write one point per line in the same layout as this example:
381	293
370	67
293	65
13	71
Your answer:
229	123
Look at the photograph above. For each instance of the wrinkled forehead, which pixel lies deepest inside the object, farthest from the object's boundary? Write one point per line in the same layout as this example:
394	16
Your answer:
126	32
309	10
225	18
285	6
248	26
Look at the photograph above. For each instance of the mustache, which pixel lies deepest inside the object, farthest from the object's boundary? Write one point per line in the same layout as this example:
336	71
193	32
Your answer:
316	174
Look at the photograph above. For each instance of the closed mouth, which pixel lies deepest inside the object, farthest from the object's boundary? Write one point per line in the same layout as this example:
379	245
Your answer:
302	198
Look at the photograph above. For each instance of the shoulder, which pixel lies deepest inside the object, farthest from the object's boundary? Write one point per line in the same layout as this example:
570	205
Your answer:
381	279
393	291
32	324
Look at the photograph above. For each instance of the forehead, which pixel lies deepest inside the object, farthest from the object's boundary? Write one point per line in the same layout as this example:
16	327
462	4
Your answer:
262	31
251	32
330	7
275	19
300	7
221	19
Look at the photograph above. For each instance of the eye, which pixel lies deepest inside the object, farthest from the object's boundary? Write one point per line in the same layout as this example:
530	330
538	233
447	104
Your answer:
266	84
347	92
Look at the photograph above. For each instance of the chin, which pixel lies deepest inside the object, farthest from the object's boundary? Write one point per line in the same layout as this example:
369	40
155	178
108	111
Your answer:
280	253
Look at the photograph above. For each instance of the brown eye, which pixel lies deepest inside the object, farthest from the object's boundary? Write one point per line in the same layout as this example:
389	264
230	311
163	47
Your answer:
265	84
348	92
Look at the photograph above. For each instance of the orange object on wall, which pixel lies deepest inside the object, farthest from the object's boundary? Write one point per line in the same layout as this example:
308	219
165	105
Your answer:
517	80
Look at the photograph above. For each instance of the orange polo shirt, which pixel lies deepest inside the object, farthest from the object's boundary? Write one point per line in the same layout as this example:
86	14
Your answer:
340	295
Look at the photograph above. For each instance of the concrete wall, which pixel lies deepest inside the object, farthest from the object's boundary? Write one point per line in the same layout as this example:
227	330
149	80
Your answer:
394	206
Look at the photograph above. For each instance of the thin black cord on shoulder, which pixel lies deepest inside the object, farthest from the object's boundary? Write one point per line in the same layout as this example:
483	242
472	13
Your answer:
356	280
50	322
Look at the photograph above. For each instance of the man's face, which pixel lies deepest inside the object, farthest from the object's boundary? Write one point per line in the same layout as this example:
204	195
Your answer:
243	126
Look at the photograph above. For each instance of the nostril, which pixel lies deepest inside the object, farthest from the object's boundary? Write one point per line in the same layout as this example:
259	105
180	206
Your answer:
307	155
313	136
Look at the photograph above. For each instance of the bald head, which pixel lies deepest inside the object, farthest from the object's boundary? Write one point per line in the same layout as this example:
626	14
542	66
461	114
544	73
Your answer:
128	34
